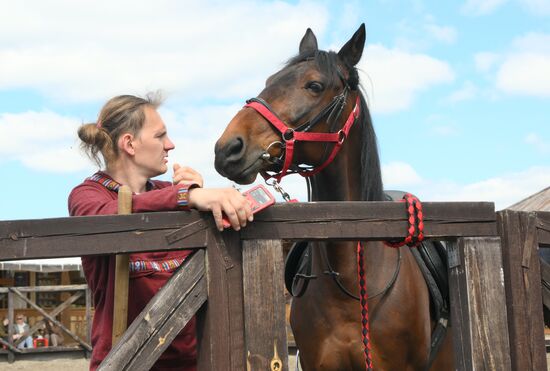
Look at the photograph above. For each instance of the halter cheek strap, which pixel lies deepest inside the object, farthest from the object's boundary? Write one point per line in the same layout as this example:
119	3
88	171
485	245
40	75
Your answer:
290	136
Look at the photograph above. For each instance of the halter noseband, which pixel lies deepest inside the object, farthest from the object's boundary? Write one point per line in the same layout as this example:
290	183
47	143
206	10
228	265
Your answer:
290	136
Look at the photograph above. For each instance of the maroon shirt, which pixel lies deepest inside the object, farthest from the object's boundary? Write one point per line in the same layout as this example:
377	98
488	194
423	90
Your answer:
148	271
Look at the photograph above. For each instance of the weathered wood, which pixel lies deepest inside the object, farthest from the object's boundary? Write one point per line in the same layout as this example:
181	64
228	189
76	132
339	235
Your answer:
46	288
264	307
369	221
543	228
11	321
522	279
60	308
122	273
82	236
545	276
88	315
84	245
43	312
478	307
95	235
221	323
162	319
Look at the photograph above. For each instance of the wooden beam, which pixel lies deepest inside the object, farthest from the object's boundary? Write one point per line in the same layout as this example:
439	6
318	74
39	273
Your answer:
162	319
478	306
264	307
220	324
369	221
50	288
543	228
94	235
122	273
522	278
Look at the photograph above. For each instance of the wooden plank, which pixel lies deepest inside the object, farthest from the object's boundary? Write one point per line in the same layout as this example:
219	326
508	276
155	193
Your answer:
49	288
221	324
84	245
162	319
147	232
11	320
88	315
545	276
264	306
543	228
122	273
478	307
522	279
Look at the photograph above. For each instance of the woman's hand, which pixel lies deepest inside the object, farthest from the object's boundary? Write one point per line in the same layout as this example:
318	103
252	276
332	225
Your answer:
186	175
221	201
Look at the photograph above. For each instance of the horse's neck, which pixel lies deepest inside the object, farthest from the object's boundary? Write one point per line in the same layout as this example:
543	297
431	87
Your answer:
341	181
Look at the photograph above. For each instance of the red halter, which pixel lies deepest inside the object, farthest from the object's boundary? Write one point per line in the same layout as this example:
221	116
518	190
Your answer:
290	136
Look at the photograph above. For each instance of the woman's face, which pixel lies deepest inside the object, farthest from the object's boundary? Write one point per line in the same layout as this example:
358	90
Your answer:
152	144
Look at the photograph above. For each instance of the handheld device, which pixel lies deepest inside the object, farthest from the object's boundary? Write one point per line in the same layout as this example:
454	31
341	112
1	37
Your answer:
258	197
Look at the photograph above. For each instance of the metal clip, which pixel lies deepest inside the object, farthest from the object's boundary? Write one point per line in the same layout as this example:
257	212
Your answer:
277	187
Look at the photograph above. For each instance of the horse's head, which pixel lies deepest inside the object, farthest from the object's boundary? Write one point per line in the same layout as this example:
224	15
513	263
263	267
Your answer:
315	92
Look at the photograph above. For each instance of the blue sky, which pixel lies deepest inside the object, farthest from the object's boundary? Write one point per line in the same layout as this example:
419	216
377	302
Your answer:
459	91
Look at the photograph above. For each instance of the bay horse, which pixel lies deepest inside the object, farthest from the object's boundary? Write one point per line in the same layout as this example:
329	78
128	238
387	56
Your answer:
319	92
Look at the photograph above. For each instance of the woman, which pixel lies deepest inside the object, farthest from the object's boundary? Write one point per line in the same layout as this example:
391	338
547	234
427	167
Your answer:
131	139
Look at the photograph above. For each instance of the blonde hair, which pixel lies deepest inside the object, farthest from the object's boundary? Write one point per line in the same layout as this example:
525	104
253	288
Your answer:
121	114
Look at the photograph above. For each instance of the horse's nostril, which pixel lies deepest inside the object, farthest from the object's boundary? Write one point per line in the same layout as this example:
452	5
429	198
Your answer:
234	148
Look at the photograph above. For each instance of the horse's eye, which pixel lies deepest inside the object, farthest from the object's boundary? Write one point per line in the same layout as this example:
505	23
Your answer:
315	86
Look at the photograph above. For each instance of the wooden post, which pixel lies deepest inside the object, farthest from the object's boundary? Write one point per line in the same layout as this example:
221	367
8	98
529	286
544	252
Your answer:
264	305
11	319
88	317
478	305
522	277
220	323
122	273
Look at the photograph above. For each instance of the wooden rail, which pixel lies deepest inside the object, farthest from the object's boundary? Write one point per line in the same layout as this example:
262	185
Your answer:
234	327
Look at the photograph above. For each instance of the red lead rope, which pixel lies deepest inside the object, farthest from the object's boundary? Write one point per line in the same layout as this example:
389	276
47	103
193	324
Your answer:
414	238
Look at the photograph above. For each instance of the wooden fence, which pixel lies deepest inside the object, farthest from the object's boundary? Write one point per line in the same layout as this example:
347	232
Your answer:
10	345
240	329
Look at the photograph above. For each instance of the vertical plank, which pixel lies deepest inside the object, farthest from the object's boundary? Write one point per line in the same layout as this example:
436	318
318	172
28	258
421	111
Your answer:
88	315
220	323
478	305
264	306
11	318
122	273
523	289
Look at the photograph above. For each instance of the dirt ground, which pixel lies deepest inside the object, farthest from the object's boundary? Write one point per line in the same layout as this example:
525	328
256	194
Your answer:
80	364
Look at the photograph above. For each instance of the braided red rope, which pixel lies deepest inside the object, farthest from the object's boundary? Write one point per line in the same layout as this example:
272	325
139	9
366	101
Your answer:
365	330
415	229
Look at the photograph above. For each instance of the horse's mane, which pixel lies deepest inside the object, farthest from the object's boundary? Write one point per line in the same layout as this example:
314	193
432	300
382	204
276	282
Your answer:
371	174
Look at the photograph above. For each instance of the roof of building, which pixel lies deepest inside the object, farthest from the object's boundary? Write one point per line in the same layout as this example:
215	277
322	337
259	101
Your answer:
539	201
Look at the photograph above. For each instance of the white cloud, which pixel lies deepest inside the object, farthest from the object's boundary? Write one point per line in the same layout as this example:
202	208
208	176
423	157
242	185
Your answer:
399	174
523	69
481	7
466	92
393	77
194	48
484	61
41	141
503	190
445	34
537	7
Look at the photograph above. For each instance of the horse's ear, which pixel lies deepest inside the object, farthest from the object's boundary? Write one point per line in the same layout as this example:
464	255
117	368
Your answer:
351	52
309	42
